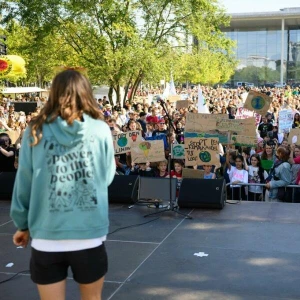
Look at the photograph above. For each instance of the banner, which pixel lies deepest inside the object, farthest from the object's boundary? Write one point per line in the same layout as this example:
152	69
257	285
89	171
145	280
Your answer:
243	126
174	98
201	151
123	141
177	151
147	151
285	120
202	107
224	137
294	136
258	102
182	104
191	173
244	141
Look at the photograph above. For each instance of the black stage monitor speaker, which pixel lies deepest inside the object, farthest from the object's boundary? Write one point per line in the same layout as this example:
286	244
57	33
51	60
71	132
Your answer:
202	193
7	180
123	189
157	188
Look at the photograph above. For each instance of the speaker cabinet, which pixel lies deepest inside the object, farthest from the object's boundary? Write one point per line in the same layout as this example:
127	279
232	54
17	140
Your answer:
7	180
123	189
202	193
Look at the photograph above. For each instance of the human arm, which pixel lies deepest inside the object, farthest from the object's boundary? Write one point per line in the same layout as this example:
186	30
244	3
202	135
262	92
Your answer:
245	161
6	153
284	174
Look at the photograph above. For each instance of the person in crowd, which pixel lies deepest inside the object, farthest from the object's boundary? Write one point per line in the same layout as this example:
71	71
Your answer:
7	154
294	153
296	123
154	117
179	133
177	173
260	145
162	169
143	170
268	156
264	127
256	174
280	176
108	110
231	108
208	174
161	129
64	208
150	129
237	175
142	121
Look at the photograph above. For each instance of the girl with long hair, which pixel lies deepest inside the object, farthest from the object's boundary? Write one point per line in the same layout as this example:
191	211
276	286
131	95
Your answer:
60	196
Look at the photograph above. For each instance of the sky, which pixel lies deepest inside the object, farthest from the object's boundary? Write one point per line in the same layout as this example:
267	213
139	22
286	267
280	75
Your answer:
242	6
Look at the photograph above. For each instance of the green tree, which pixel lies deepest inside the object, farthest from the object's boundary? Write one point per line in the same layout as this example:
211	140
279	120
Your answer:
123	42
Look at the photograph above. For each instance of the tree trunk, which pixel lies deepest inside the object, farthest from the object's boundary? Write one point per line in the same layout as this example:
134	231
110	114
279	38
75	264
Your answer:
135	86
110	95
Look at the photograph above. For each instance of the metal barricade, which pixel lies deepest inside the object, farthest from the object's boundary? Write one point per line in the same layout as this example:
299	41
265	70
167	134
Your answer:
295	194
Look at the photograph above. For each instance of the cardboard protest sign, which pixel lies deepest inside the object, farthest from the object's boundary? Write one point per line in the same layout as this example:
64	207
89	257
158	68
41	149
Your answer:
224	137
294	136
244	126
182	104
244	141
201	151
174	98
191	173
147	151
202	122
258	102
123	141
177	151
285	120
14	136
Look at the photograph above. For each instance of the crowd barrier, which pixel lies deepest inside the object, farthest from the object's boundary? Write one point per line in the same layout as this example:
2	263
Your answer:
292	192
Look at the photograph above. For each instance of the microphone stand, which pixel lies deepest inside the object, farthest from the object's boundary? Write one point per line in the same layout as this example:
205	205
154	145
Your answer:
171	206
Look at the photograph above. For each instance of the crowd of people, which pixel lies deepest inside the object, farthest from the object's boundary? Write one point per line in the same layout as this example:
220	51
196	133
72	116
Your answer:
273	162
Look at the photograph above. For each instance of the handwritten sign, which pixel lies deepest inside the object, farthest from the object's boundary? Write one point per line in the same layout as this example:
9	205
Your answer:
174	98
177	151
123	141
294	136
202	122
286	119
244	141
245	126
182	104
191	173
258	102
224	137
147	151
243	113
201	151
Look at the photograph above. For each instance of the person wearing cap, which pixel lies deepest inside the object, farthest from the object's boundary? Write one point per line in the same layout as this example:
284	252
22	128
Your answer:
107	111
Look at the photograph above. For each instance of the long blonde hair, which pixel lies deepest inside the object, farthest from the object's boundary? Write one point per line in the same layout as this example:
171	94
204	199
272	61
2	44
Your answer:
70	96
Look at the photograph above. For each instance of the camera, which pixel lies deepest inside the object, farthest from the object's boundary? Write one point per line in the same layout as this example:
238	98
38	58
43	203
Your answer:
2	142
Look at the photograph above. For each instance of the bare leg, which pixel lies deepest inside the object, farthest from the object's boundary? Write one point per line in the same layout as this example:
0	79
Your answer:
91	291
52	291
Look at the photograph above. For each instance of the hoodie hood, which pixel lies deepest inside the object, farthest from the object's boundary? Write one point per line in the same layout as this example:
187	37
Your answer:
69	135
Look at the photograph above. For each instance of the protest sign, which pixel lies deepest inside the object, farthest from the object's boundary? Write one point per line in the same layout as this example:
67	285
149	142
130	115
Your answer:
147	151
201	151
224	137
244	126
258	102
177	151
244	141
243	113
174	98
202	122
123	141
182	104
294	136
14	136
285	120
184	96
191	173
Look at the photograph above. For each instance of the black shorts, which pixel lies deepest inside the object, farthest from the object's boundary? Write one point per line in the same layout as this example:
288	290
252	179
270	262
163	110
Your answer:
87	265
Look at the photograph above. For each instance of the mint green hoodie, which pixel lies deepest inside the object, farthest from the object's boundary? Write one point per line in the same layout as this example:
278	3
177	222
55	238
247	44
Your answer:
61	184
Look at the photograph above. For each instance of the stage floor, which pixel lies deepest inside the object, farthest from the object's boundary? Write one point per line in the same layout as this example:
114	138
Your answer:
249	251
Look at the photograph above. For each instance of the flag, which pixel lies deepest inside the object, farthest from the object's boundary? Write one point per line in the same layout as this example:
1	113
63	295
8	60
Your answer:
172	90
202	107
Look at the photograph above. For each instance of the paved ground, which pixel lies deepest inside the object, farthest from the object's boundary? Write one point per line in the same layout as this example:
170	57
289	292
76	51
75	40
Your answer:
253	253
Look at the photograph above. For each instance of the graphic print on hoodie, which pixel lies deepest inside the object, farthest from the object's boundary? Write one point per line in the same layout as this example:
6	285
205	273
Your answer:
71	170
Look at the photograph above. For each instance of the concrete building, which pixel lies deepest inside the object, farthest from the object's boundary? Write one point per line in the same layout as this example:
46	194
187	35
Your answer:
268	46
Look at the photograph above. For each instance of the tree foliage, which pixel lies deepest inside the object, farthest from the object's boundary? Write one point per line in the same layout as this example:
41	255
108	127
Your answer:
124	42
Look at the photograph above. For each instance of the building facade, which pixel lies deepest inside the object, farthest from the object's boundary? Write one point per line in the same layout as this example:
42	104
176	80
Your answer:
267	47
